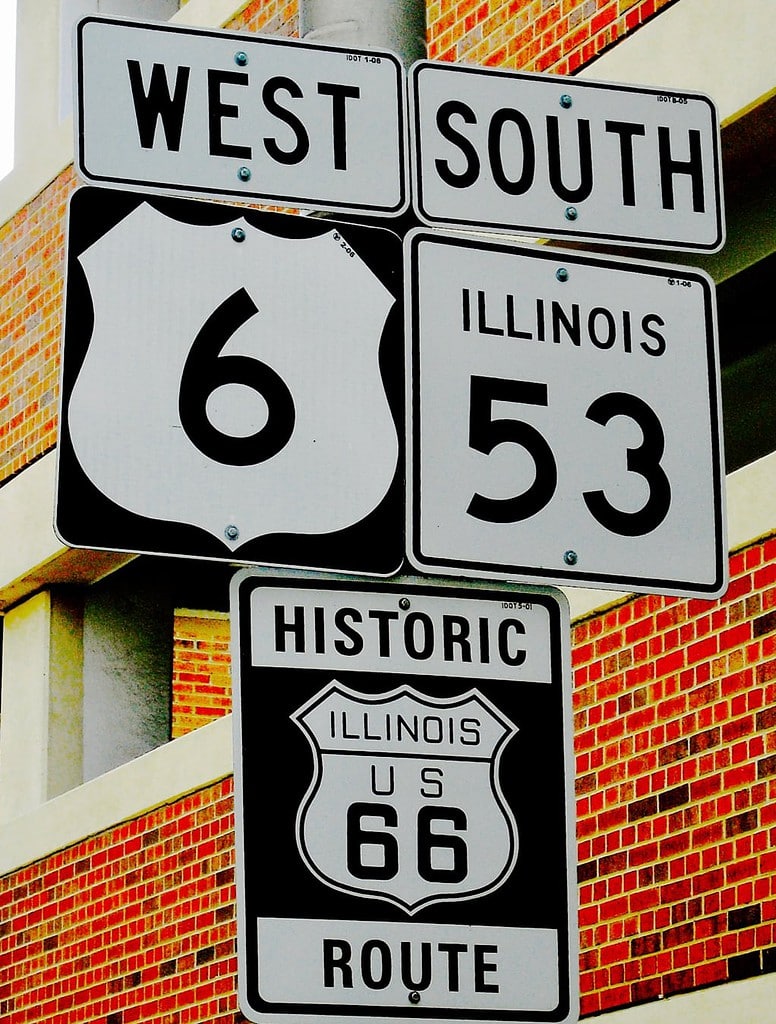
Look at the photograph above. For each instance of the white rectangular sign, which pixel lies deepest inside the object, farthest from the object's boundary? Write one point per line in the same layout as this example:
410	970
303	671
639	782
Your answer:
564	416
546	155
518	957
234	114
404	802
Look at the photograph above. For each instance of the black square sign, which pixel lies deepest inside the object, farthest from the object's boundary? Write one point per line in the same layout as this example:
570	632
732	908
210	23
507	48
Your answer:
405	822
232	385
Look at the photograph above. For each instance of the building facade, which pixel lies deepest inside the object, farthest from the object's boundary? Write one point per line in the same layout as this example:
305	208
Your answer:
117	888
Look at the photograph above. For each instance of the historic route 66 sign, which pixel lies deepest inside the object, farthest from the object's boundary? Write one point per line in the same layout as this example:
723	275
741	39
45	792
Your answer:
231	385
404	814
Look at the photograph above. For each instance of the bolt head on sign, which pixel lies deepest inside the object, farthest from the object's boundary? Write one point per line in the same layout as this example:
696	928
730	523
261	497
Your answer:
412	857
231	385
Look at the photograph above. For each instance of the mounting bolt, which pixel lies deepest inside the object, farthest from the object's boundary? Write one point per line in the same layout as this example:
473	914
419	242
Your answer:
566	101
414	997
238	234
241	58
570	557
244	174
571	213
562	274
404	603
231	532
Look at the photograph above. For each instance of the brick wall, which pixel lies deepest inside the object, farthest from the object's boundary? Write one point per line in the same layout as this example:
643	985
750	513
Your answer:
273	17
32	245
675	726
201	682
133	925
532	35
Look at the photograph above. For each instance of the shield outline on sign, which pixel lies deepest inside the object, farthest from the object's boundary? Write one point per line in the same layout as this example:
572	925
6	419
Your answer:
434	703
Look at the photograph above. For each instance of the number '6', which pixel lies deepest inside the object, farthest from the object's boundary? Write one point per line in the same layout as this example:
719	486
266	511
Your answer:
206	369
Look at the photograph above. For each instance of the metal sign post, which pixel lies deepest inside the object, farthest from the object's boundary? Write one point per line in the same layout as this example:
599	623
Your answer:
404	802
564	418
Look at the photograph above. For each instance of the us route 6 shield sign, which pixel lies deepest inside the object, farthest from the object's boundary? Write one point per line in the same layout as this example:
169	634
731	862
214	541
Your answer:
405	825
231	385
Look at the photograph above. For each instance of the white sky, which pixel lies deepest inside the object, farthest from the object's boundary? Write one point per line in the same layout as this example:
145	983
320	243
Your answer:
7	64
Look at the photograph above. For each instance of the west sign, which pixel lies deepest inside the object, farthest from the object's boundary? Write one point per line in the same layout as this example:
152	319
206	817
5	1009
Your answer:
237	114
563	158
404	815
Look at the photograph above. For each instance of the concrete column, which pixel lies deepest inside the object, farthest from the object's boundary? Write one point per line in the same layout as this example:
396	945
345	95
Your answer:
40	710
128	633
65	726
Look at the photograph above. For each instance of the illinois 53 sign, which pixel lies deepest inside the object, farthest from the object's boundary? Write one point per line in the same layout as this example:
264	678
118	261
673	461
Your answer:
564	418
231	385
404	817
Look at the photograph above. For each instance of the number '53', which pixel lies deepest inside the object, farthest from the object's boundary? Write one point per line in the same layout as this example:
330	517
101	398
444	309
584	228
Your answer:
487	431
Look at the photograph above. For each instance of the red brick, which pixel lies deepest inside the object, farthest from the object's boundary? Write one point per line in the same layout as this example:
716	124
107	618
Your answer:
604	18
670	663
735	637
703	650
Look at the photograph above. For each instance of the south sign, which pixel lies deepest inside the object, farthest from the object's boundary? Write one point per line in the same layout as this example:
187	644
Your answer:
404	817
236	114
557	157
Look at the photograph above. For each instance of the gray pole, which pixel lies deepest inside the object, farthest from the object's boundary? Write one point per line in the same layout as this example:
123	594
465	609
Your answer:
397	25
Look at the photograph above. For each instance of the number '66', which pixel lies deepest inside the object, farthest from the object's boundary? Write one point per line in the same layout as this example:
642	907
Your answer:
362	835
